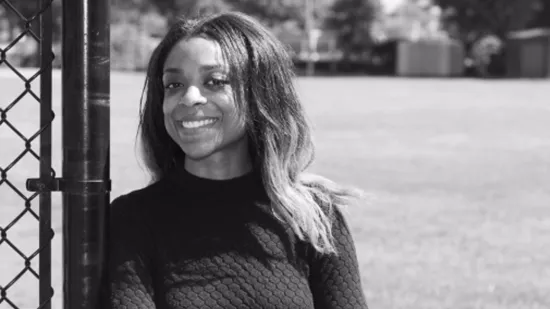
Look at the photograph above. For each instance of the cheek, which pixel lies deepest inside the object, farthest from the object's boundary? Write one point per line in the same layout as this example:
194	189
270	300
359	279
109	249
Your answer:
226	103
167	106
234	127
233	122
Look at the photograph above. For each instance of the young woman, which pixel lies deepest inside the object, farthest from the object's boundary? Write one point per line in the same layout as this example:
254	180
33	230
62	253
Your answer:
230	220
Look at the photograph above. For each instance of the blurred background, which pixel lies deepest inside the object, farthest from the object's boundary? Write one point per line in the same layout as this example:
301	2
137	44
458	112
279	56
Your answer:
439	109
490	38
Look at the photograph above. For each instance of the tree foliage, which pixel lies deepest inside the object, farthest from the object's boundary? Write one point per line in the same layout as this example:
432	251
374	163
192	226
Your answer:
542	15
274	12
269	11
410	20
174	8
352	20
474	18
17	12
19	20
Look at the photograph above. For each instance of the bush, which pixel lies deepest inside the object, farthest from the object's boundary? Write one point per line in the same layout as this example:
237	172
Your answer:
487	56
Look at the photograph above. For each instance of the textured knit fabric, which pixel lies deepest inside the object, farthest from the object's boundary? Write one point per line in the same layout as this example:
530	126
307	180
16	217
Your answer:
190	242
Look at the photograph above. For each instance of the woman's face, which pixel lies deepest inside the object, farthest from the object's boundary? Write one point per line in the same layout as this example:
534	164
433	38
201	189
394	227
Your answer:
200	114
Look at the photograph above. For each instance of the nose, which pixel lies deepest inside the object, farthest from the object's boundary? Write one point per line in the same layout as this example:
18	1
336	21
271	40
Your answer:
193	96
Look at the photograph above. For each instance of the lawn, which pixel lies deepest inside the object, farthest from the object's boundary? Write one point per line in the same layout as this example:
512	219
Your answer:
458	173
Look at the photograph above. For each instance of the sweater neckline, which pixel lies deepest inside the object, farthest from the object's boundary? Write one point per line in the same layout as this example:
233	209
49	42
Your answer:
246	184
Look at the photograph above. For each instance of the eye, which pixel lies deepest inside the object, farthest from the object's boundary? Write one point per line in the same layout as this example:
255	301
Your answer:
217	82
173	85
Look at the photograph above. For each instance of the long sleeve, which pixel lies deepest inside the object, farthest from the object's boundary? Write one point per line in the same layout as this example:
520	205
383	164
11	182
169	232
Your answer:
129	280
335	280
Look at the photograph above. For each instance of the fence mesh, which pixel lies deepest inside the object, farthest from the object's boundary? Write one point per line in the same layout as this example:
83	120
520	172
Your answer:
25	256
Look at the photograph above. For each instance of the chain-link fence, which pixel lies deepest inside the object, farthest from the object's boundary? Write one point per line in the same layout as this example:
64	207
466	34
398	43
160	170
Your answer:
25	258
26	232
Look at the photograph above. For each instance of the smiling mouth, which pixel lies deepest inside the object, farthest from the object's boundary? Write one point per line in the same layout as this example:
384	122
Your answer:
198	123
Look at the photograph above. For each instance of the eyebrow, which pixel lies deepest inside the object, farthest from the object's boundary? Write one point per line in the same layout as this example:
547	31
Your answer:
206	67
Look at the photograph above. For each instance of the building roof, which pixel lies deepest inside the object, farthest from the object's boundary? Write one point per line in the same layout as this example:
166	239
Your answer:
529	33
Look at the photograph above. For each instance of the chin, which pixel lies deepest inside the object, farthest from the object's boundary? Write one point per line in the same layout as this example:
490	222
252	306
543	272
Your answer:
198	154
198	150
213	148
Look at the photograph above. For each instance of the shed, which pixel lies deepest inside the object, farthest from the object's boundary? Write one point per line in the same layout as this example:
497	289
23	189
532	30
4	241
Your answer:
430	58
528	53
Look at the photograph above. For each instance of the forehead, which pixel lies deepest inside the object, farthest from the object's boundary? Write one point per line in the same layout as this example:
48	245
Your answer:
195	51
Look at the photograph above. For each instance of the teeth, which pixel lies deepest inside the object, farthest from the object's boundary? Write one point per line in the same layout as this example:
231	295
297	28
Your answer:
197	124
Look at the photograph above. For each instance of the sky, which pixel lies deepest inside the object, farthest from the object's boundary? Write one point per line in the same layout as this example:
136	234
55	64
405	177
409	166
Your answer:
390	5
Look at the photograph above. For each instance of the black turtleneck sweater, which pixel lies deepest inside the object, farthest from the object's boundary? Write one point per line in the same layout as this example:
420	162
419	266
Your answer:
190	242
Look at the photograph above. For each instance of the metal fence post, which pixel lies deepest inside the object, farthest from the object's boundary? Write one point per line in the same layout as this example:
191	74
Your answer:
46	118
86	138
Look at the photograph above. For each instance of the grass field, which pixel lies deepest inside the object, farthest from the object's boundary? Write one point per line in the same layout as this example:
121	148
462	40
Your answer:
459	171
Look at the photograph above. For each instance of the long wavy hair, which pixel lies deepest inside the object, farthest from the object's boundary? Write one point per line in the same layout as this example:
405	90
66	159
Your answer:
262	75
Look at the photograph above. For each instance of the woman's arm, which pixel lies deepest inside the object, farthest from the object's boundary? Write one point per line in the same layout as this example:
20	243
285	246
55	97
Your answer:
335	280
128	276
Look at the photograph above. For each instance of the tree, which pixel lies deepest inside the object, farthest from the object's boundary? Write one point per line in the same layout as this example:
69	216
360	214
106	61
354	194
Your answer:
484	26
170	9
474	19
411	20
352	20
542	15
269	12
16	14
174	8
275	12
